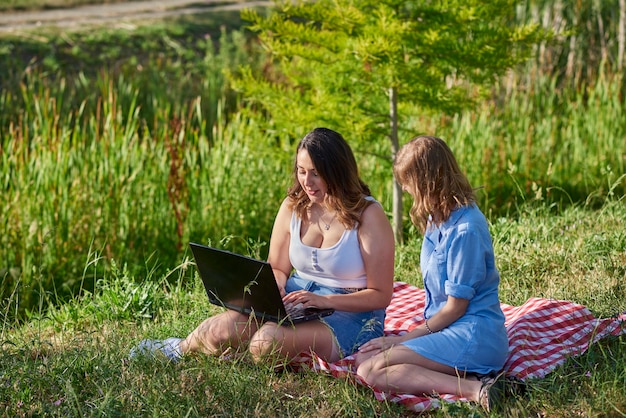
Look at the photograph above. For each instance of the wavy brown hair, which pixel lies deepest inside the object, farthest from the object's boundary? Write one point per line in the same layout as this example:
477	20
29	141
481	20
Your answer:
335	164
427	169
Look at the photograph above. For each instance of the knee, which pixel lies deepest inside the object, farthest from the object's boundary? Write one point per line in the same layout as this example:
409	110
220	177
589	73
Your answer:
363	369
211	336
369	371
265	342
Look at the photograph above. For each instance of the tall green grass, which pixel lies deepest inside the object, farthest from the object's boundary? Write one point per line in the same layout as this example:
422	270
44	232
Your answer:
108	159
131	145
134	188
544	145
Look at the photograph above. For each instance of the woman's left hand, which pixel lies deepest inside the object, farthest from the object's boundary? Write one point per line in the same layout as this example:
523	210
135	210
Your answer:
381	343
305	299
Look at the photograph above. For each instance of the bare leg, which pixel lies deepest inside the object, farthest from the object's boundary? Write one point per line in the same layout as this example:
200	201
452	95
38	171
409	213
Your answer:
231	329
217	333
284	342
400	369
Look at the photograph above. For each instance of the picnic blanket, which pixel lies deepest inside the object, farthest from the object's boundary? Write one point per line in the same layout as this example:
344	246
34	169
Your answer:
543	333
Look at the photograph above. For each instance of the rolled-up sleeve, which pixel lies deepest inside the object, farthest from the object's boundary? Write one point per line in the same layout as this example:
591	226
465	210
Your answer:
466	264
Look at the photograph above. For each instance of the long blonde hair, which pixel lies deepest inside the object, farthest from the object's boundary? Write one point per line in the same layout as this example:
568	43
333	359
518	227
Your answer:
426	167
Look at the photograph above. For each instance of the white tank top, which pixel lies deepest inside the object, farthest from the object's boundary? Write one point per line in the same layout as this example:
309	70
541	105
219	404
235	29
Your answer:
338	266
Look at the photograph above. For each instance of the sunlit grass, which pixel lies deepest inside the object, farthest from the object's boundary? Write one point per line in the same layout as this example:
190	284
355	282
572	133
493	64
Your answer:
107	159
73	359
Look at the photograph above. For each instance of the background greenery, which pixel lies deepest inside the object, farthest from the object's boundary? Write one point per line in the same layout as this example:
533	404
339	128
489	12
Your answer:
119	146
126	144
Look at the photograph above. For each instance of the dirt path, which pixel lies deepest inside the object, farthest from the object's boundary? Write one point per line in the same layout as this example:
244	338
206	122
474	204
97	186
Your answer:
114	13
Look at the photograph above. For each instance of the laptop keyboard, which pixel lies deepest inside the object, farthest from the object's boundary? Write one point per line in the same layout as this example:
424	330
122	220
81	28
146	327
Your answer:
295	311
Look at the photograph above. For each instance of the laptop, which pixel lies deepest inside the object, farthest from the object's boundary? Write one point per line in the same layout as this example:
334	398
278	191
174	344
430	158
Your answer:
246	285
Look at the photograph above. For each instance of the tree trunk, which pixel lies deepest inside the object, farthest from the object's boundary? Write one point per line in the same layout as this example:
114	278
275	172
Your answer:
571	55
604	53
395	146
621	35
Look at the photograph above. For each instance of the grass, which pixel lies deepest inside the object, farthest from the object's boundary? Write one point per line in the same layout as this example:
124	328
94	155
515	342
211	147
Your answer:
579	252
92	146
73	359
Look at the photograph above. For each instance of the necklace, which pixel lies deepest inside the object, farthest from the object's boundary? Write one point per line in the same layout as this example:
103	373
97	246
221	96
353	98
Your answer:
327	225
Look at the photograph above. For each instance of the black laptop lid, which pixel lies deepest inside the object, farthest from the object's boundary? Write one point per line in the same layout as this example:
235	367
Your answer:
238	282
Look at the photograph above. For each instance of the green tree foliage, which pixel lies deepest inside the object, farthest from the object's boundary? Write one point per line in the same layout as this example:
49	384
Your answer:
364	67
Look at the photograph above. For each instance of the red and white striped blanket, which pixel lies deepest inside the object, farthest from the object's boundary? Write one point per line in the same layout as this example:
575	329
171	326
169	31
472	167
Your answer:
543	333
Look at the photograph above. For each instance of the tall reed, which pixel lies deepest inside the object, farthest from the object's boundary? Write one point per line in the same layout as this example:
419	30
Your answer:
101	160
544	145
110	161
135	191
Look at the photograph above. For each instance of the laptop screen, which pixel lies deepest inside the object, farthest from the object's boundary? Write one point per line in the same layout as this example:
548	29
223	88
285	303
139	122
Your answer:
238	282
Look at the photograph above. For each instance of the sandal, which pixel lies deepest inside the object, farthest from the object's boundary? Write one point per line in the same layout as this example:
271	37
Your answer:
492	391
496	387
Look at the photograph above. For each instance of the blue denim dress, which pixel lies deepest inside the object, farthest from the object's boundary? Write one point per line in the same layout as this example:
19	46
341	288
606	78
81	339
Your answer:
457	260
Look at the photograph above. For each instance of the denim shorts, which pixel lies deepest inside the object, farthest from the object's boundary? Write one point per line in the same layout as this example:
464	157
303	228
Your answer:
351	329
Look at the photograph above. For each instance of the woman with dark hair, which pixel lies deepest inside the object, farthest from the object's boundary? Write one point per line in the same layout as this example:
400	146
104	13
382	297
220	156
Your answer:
462	344
331	247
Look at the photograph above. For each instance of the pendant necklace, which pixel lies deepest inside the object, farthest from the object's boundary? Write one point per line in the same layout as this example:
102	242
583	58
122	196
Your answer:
327	225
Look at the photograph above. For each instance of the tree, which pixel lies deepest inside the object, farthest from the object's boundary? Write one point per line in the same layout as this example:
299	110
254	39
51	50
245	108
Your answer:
358	64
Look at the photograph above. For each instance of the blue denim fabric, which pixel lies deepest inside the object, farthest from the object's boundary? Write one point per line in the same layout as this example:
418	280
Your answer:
351	329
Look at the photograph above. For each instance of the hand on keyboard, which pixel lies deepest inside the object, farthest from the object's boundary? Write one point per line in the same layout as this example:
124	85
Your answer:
291	308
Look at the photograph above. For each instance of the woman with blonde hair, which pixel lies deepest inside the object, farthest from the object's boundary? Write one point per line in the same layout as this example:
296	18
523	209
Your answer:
462	345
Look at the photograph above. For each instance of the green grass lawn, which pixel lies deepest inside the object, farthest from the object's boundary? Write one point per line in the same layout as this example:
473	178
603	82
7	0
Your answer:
73	360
